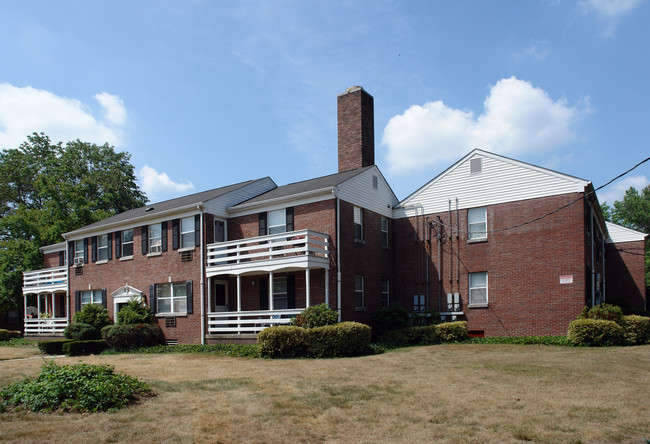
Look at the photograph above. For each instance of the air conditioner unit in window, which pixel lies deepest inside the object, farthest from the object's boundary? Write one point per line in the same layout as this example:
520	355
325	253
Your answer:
78	261
155	249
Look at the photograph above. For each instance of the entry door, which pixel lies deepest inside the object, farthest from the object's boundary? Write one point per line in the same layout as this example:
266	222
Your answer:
220	296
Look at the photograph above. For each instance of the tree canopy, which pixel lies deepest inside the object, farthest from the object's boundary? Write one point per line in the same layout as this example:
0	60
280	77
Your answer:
47	189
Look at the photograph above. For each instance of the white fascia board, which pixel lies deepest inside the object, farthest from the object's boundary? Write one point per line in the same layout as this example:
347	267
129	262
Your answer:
618	234
60	246
281	202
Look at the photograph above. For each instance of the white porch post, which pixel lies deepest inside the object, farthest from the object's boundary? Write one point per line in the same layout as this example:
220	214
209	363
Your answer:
307	296
53	305
238	302
327	287
25	306
38	305
209	294
271	290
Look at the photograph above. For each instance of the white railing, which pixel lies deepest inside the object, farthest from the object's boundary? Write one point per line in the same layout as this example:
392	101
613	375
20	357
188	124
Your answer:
248	321
47	279
46	326
304	246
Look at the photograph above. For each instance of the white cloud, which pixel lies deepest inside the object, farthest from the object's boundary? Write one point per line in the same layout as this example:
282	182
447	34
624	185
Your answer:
616	190
157	184
609	11
27	110
538	51
517	119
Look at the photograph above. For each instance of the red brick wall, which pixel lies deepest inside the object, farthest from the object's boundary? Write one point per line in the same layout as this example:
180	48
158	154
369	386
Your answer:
51	260
625	282
524	266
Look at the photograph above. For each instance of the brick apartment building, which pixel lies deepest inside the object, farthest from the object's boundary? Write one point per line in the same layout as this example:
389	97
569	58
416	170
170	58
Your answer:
226	263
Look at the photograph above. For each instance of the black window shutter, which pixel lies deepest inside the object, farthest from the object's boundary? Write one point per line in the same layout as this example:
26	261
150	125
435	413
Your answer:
85	250
61	258
110	246
190	299
163	230
93	249
104	297
145	244
152	298
70	253
264	293
175	239
118	244
291	291
262	224
197	230
77	301
289	213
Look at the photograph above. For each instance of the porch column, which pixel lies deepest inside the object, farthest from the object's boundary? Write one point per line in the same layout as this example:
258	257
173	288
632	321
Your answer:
209	294
238	292
327	287
271	290
307	299
38	305
53	305
25	306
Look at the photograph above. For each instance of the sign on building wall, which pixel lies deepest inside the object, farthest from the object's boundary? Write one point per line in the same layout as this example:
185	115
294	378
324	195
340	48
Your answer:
566	279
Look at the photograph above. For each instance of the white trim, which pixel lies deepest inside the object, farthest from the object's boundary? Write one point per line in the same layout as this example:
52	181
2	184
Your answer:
618	233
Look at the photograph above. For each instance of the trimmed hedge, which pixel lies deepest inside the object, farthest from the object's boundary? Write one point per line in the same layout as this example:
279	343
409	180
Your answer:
132	335
54	347
316	316
595	333
79	348
453	331
81	332
5	335
427	335
343	339
636	329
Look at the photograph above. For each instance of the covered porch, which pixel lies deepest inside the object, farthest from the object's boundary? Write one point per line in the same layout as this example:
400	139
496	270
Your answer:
46	302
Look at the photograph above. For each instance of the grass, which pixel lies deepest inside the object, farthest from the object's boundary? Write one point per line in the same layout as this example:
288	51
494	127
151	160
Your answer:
442	393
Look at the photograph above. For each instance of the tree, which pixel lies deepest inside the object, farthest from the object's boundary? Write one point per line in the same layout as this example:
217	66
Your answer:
633	212
48	189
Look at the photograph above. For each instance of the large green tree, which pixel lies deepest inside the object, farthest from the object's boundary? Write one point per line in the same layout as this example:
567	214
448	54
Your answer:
47	189
633	212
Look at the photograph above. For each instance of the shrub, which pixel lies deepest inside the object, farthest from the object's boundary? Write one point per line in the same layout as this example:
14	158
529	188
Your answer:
5	335
316	316
92	314
134	312
54	347
594	332
424	318
452	331
78	348
81	332
132	335
388	319
636	329
344	339
80	387
605	312
282	341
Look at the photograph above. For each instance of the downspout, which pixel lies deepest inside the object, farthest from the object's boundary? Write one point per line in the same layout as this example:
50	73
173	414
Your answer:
602	249
592	267
67	277
451	250
458	247
202	209
427	248
440	274
338	251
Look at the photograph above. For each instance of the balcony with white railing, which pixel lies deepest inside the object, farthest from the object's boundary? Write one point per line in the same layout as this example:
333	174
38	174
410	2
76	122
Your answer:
45	326
243	322
292	250
46	280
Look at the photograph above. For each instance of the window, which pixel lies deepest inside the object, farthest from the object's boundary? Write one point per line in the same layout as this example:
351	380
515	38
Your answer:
385	293
102	247
478	291
171	298
419	304
155	238
127	243
477	223
358	292
277	221
91	297
79	252
280	293
187	232
384	231
358	223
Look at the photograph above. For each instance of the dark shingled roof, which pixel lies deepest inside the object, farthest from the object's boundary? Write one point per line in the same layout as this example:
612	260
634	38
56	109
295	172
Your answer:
159	207
304	187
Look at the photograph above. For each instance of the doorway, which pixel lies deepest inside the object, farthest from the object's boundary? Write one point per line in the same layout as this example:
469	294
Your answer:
219	296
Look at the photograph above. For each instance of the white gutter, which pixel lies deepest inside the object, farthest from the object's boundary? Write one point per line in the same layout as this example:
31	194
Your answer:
335	191
201	208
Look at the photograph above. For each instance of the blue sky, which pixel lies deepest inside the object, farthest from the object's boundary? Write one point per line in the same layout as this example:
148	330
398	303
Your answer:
209	93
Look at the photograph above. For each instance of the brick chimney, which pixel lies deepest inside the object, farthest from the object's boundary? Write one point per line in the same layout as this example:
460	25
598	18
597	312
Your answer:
356	127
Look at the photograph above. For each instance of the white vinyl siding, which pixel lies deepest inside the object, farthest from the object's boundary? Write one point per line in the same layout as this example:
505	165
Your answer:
219	205
477	223
478	289
359	191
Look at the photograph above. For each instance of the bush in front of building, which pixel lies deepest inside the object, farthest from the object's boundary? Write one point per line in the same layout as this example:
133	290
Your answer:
390	319
452	331
132	335
282	341
595	333
6	335
636	329
81	332
604	312
427	335
316	316
54	347
92	314
134	312
79	348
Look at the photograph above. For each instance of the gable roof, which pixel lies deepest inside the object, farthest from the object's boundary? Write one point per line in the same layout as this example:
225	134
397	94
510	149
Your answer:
160	208
303	188
618	233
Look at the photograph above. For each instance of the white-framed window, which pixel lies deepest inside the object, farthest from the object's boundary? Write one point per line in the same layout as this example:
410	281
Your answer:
385	293
359	301
478	289
187	232
280	293
155	238
79	251
358	223
171	298
419	303
477	223
277	221
91	297
127	243
384	231
102	247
